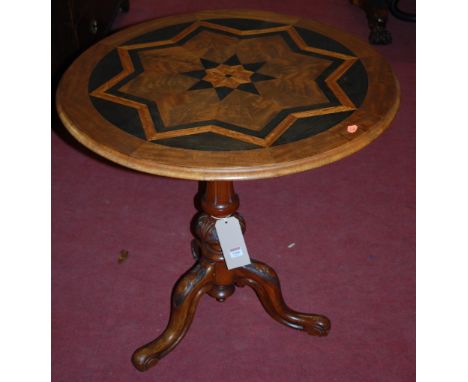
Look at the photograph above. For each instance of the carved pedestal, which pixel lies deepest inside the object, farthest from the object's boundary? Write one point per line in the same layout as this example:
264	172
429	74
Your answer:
210	275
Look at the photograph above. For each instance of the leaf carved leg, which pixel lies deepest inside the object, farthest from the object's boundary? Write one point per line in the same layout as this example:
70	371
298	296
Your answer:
185	296
265	282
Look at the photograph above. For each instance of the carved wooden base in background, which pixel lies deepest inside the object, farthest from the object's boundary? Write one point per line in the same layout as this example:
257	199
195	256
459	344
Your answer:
377	16
210	275
377	12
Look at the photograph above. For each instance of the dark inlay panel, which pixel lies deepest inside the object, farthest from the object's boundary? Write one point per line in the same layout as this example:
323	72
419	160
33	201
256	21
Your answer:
207	141
228	84
306	127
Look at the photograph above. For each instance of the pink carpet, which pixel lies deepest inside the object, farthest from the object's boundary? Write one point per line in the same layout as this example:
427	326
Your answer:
352	222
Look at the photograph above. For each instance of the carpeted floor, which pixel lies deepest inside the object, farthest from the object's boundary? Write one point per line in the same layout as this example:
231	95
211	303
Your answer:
352	222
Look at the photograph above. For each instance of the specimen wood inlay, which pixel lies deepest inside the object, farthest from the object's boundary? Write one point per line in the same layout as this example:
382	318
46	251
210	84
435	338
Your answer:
167	82
227	95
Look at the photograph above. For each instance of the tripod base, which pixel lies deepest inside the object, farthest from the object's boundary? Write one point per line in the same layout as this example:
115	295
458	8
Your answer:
210	275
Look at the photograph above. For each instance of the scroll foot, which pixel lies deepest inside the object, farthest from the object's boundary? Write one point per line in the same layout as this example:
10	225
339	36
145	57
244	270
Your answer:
185	297
264	280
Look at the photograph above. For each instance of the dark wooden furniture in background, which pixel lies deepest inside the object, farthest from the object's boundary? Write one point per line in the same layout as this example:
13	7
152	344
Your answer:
217	96
377	12
77	24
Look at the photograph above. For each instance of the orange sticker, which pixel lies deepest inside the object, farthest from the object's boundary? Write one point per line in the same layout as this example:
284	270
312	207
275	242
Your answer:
352	128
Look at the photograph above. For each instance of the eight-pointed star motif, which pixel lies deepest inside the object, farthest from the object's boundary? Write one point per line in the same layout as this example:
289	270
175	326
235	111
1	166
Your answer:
228	76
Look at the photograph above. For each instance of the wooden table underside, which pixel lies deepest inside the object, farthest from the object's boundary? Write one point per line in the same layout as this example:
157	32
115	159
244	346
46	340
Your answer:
223	95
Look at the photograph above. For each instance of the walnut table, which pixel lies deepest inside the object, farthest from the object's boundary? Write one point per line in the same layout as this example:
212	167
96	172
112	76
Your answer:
219	96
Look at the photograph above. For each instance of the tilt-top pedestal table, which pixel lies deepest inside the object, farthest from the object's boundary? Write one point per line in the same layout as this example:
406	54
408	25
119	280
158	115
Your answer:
218	96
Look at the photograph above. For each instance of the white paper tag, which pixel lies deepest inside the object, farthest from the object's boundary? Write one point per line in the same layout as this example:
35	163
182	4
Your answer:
232	242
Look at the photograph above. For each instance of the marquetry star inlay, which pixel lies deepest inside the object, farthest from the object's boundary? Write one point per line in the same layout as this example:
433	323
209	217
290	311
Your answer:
246	85
227	76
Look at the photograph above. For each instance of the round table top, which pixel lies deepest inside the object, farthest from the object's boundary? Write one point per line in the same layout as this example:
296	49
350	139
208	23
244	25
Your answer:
228	95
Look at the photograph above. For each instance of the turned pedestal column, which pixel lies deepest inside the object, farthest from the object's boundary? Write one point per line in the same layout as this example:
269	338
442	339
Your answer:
210	275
